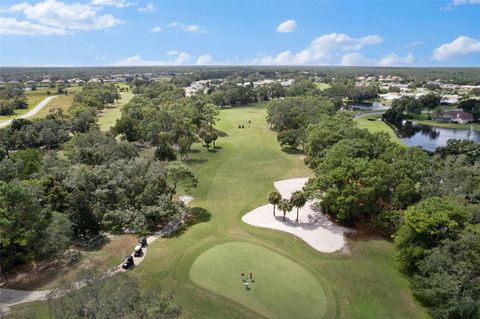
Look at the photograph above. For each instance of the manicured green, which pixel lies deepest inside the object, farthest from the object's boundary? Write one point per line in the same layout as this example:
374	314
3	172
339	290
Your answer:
378	126
362	282
110	115
277	281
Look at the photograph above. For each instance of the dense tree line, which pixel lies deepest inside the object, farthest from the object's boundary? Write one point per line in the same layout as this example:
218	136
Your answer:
428	202
471	106
12	97
291	116
408	106
450	75
62	181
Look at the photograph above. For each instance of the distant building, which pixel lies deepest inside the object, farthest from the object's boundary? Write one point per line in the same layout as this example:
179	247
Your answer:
46	81
449	99
455	116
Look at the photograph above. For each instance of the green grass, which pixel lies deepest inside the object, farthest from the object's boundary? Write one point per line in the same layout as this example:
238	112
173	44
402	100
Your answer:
237	177
322	86
62	102
277	281
108	117
378	126
468	126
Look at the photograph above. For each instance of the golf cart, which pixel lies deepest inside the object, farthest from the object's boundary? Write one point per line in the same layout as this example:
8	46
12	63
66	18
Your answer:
128	262
142	240
138	252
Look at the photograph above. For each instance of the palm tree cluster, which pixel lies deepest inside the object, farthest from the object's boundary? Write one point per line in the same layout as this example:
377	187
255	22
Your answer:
297	200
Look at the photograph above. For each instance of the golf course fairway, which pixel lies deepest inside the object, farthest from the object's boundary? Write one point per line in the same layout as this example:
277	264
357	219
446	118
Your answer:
281	287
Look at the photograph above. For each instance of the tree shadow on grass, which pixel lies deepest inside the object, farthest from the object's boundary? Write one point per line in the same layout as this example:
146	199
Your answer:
195	160
93	244
290	150
197	215
221	133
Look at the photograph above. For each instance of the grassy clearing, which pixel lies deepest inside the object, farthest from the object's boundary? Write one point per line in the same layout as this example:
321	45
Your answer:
277	281
237	177
108	117
378	126
322	86
62	102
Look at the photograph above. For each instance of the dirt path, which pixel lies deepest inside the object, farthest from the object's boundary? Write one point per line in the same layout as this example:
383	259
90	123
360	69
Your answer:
30	113
12	297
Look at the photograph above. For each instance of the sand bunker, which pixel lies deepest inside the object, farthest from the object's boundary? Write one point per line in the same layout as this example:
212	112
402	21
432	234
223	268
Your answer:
313	226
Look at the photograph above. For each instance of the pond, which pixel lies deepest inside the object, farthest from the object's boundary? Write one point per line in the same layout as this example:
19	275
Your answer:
374	106
431	137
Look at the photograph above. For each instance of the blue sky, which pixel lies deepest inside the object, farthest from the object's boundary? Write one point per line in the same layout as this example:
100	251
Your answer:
138	32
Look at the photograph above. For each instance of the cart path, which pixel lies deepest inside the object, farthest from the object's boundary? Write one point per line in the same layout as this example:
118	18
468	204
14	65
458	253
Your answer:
12	297
30	113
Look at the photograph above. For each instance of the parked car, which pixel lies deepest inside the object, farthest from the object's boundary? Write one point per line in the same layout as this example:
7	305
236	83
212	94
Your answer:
143	240
128	262
138	252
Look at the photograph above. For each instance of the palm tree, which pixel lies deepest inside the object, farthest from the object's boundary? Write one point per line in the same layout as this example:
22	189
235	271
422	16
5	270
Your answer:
274	198
285	206
298	200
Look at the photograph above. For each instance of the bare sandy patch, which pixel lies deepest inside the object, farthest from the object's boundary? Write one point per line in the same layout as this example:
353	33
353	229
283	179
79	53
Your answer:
313	226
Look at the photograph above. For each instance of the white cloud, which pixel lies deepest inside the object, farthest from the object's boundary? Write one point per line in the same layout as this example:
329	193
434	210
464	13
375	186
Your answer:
394	60
187	27
114	3
322	50
172	52
137	60
150	7
462	45
460	2
287	26
354	59
182	58
156	30
204	59
73	16
11	26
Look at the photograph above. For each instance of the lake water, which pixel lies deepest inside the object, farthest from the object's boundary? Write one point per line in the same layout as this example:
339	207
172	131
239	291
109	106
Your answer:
431	137
375	106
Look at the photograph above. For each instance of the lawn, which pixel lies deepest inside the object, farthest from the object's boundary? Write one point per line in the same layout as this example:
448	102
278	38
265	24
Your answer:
277	281
468	126
108	117
62	102
378	126
362	282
